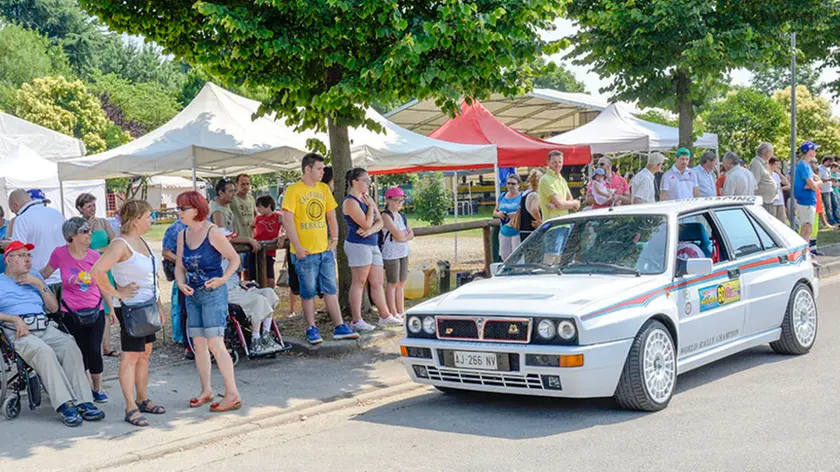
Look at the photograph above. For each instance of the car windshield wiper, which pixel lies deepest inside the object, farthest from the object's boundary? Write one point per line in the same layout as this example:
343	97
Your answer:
520	269
590	266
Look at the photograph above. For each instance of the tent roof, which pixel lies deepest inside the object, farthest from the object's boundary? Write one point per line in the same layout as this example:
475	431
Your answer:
476	125
215	132
49	144
24	168
172	181
617	130
537	113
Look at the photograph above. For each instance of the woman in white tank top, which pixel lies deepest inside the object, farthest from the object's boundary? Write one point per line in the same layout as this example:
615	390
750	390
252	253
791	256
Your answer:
133	265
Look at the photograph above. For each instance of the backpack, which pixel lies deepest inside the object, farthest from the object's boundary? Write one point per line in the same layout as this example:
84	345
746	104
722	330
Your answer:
384	233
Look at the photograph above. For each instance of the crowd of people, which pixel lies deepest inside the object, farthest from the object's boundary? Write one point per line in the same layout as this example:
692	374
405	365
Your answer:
815	189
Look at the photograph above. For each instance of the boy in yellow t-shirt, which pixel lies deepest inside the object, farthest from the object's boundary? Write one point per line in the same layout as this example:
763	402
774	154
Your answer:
309	219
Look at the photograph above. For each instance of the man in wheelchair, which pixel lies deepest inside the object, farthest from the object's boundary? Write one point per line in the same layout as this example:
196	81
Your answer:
258	305
53	354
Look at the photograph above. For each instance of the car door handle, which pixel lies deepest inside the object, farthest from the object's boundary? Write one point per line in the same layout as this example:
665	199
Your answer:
734	273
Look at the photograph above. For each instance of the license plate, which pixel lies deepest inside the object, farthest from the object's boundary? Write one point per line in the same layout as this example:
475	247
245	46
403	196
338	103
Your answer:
476	360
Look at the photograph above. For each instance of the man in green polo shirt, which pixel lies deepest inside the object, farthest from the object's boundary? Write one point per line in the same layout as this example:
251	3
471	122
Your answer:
555	196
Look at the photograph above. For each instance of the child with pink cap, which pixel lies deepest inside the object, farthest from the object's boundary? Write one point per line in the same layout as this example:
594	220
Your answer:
395	237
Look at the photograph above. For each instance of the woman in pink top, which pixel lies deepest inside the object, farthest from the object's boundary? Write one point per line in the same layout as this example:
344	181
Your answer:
81	302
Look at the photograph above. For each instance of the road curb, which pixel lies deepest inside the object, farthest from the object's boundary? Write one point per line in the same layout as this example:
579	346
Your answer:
268	420
338	348
824	271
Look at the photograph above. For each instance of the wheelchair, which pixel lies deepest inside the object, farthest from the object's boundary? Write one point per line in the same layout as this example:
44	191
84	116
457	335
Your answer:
16	377
238	336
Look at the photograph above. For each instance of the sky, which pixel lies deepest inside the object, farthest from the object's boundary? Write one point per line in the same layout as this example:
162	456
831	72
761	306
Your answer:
594	83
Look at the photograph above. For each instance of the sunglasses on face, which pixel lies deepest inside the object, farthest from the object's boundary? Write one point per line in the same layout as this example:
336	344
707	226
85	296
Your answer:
401	200
180	208
513	183
83	231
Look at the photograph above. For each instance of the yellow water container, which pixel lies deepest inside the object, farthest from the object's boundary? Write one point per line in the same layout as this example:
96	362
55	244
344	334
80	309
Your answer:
414	286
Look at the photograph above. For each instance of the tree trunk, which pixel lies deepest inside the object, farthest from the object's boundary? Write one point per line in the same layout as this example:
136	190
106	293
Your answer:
341	163
686	110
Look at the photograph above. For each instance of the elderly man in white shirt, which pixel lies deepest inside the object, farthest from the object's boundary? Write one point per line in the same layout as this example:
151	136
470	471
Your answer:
39	225
768	188
706	174
739	181
643	185
680	182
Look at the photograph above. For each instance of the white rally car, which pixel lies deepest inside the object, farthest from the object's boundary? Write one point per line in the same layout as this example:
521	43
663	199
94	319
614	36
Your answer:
618	302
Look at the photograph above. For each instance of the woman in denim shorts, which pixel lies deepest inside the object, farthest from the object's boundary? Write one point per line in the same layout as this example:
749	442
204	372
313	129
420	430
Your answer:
200	277
362	248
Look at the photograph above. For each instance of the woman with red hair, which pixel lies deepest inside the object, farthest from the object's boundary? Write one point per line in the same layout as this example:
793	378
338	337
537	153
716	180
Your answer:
202	279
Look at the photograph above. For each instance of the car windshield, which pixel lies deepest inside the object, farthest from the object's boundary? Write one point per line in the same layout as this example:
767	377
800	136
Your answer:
630	244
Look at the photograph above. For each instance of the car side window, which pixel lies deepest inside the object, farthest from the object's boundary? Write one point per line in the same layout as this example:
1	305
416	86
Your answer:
765	238
739	231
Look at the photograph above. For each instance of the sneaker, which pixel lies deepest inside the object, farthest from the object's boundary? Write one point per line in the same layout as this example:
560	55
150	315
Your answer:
189	354
313	335
69	415
343	331
271	344
258	347
90	412
99	396
390	321
362	326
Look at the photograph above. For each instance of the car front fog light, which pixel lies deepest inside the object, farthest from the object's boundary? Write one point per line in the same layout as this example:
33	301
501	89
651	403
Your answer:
546	329
429	325
415	325
567	330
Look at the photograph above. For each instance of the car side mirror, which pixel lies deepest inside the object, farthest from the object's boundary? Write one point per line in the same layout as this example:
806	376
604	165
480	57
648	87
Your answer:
494	268
698	266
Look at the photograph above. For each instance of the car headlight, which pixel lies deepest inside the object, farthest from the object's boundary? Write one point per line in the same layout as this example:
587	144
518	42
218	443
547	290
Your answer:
415	325
546	329
429	325
567	330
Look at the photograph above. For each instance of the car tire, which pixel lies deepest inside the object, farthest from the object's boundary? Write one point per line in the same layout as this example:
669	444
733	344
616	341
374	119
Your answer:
799	326
653	352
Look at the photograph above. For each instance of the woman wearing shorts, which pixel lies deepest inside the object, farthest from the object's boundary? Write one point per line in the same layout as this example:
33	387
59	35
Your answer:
133	267
395	238
199	274
362	249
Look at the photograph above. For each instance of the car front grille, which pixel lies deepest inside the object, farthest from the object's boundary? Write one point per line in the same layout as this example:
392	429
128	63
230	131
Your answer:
479	328
490	379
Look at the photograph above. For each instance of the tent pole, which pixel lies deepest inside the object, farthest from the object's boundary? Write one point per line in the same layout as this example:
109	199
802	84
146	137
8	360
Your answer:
61	193
195	184
455	191
496	179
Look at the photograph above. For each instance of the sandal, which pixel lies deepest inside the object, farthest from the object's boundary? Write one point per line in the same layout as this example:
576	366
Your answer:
154	409
139	420
197	402
218	408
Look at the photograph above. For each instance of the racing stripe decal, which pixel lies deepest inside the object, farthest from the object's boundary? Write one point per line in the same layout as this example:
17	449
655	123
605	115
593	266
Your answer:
797	255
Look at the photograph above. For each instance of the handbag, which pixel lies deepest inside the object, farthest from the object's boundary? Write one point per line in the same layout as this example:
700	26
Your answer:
86	317
143	319
169	270
514	219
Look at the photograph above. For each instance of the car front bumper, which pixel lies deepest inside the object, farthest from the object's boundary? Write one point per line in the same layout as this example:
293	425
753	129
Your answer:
598	377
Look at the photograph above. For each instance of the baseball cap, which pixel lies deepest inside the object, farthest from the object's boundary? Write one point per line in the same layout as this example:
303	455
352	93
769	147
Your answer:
394	192
683	152
598	171
37	194
807	146
16	246
656	158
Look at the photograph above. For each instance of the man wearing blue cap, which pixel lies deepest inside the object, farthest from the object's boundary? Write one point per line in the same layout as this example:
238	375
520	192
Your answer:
39	225
805	188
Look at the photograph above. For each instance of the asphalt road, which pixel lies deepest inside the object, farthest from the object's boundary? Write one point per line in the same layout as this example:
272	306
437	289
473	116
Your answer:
753	411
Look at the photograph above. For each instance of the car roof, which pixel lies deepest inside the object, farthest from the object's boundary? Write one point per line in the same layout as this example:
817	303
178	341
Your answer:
673	207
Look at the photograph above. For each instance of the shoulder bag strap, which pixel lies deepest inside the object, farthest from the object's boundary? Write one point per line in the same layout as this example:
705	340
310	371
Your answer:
154	269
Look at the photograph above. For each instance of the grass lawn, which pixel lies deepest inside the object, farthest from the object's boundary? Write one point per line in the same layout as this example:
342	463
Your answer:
156	232
484	213
830	236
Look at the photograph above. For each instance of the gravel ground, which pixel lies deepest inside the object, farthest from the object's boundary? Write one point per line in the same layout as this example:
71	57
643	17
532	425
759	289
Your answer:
425	251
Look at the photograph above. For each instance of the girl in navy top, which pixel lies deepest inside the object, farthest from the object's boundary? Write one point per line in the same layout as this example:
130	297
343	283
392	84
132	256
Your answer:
362	249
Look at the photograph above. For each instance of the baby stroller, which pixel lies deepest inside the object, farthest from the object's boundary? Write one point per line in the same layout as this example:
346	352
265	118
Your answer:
16	376
238	336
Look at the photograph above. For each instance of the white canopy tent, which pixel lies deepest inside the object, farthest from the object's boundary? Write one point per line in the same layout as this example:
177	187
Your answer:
22	168
616	130
215	135
163	190
49	144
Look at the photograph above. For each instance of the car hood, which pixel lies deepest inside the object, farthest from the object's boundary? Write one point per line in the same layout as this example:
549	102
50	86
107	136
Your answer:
535	295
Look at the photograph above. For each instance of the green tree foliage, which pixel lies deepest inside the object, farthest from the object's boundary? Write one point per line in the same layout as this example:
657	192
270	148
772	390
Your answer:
431	199
147	103
559	77
745	119
25	55
675	53
322	63
658	116
814	122
770	80
67	107
395	180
